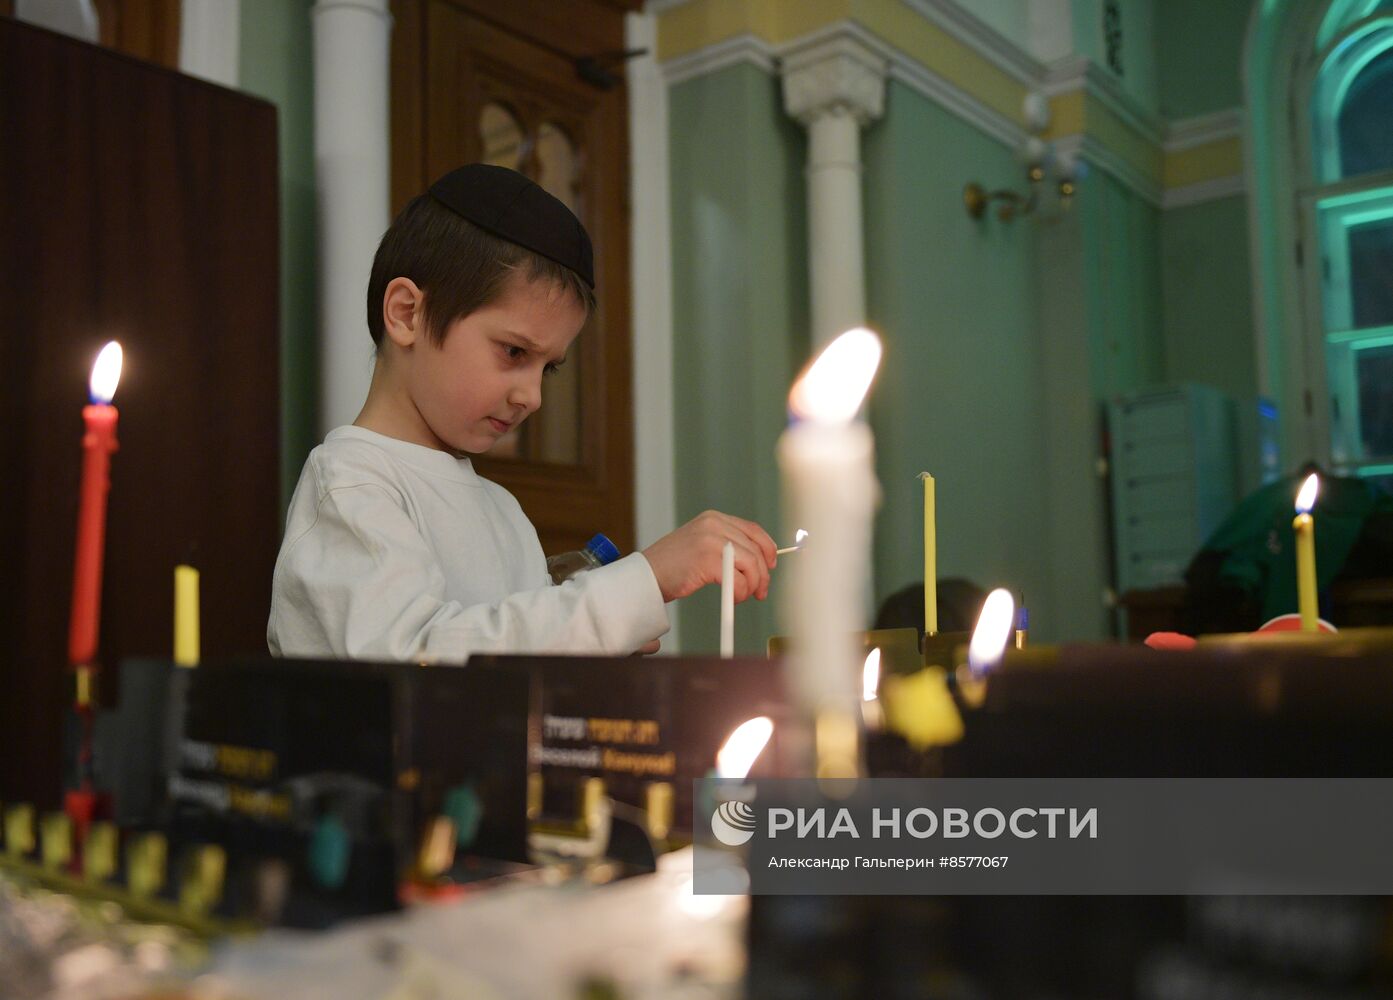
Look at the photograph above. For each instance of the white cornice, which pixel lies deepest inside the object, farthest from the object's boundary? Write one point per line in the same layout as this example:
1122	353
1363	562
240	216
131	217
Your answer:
925	82
1195	194
837	73
1063	77
983	39
745	48
1187	133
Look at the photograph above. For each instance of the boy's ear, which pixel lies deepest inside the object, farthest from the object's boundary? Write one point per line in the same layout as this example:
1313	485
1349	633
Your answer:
403	315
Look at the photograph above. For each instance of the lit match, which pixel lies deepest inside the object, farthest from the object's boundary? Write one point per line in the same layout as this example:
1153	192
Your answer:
799	538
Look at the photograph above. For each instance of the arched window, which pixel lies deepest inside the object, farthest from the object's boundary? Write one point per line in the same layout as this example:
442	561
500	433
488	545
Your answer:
1349	204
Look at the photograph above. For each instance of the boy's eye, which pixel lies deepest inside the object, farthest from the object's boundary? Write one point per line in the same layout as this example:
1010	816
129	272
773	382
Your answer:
513	352
552	368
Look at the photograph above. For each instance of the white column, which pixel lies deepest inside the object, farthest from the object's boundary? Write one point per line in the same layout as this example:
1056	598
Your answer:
834	86
210	40
75	18
655	491
352	178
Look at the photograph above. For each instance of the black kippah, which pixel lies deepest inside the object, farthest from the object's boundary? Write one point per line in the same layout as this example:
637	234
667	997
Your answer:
508	205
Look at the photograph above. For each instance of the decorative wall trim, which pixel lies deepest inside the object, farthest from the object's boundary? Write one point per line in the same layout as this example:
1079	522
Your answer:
955	100
836	72
1072	84
1088	148
1196	194
983	39
1187	133
746	48
1082	73
925	82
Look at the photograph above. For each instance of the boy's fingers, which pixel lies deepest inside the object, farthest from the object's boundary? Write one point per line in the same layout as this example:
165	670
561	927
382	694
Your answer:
754	572
758	537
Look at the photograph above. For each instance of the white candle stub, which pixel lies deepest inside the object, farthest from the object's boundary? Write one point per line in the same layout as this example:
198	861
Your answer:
826	460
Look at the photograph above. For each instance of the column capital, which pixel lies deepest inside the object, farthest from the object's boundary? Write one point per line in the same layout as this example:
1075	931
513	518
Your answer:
834	74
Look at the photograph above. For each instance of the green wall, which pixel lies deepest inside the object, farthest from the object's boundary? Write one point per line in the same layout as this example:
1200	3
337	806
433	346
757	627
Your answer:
277	64
958	394
1138	17
740	293
1098	287
1208	314
1124	286
1199	48
1002	340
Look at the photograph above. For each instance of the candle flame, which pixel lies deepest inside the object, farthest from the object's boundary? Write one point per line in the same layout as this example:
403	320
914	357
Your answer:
106	373
870	675
799	536
743	747
831	389
1306	498
992	632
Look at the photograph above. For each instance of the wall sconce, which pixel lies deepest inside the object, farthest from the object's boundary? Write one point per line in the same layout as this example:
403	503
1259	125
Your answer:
1044	164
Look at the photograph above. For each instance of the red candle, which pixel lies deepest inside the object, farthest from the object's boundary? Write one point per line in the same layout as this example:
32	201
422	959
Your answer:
98	443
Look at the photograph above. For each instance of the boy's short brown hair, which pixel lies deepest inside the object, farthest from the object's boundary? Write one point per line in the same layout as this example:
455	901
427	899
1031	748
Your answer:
459	267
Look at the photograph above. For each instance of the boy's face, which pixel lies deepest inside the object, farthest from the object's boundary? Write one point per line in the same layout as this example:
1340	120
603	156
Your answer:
485	376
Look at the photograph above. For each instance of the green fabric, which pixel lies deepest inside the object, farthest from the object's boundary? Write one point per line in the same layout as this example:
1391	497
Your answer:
330	851
464	807
1259	544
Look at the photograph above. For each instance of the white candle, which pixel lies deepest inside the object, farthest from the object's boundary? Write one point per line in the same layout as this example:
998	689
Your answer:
829	486
728	600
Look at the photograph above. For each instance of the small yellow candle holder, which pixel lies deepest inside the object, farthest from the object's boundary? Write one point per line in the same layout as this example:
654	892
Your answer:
436	852
658	809
100	850
55	840
201	879
145	864
19	830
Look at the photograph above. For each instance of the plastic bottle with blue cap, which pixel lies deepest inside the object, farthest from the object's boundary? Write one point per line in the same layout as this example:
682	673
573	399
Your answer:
599	551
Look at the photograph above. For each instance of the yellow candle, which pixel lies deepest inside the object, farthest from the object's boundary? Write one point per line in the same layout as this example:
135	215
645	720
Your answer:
1305	528
930	558
185	616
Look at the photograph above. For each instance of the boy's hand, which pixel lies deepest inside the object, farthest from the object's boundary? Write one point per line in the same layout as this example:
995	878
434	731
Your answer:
690	557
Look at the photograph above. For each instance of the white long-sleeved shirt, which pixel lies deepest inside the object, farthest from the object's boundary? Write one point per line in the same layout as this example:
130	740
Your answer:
396	551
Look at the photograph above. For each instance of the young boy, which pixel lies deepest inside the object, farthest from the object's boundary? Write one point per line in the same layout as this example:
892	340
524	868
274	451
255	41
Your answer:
395	549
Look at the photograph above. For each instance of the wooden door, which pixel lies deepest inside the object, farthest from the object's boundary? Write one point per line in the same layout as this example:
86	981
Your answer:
478	81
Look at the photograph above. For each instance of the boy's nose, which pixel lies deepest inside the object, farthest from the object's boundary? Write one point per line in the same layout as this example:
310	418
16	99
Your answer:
526	395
